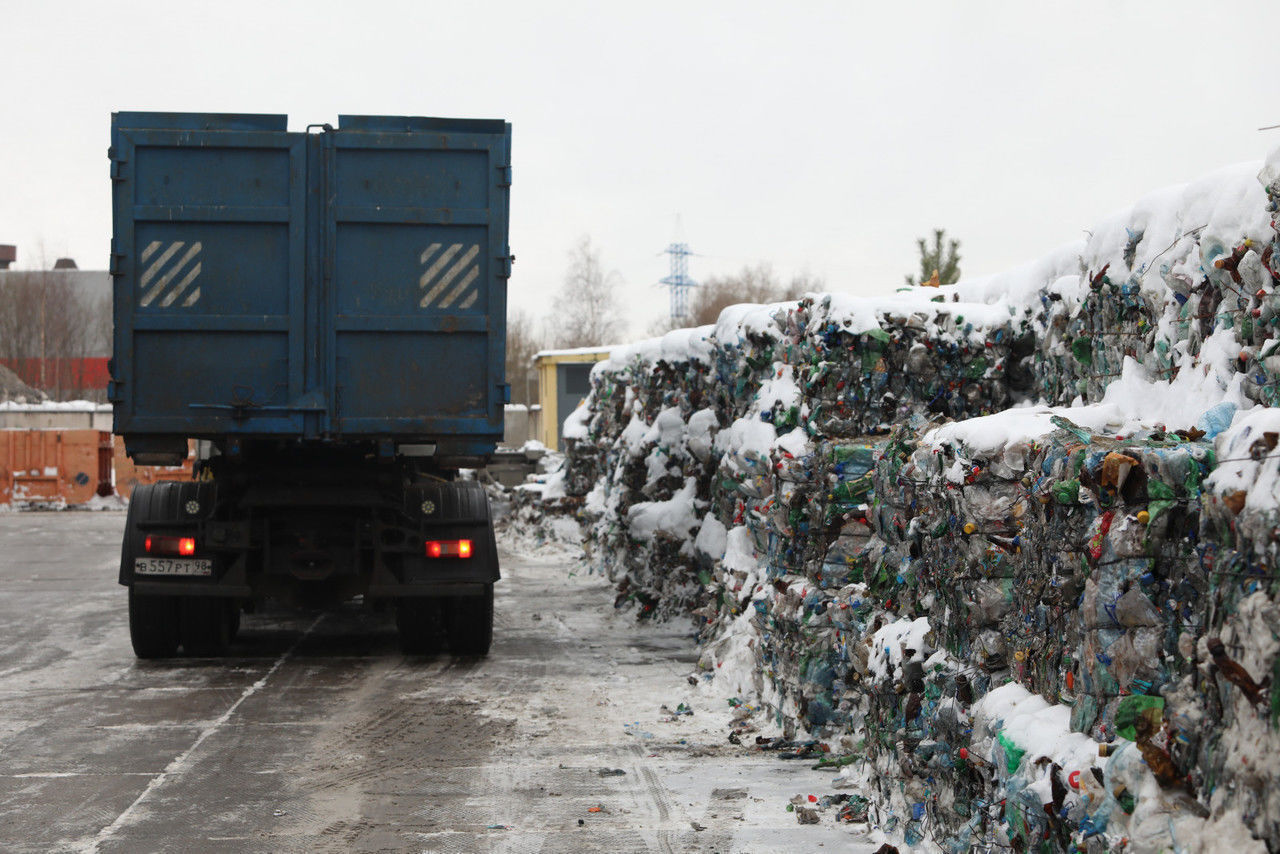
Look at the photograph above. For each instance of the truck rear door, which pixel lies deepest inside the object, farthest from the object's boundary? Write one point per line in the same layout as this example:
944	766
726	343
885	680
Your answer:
416	249
209	242
346	282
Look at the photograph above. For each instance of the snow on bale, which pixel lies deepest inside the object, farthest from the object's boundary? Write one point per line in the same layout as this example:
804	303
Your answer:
1015	537
641	463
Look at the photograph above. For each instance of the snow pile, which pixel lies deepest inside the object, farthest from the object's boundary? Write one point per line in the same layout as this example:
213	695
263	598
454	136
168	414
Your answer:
898	644
986	527
13	391
52	405
538	514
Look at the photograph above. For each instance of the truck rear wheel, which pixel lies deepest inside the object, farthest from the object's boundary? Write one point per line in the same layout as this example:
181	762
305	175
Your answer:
159	623
418	621
470	623
205	625
153	620
153	625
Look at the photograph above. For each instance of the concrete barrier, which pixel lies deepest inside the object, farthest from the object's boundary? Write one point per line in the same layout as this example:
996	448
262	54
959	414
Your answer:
515	425
74	415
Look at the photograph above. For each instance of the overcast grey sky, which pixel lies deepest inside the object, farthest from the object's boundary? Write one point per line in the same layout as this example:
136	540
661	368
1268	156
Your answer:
821	137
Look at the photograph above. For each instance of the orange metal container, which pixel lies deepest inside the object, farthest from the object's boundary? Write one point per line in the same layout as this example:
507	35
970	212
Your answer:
129	476
54	467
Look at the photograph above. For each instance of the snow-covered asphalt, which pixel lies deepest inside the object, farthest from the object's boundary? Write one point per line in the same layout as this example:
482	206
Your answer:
317	734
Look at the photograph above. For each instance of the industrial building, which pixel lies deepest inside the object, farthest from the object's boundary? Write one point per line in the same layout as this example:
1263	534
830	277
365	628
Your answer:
564	379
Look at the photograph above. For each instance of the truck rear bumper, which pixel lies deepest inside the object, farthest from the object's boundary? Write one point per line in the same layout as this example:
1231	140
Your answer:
383	588
404	542
192	588
443	588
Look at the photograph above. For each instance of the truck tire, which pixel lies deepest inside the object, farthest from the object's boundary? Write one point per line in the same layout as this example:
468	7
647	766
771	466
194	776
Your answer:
418	621
205	625
153	620
470	623
153	625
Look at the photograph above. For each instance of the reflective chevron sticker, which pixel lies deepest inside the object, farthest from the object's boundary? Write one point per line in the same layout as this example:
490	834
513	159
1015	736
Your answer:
170	274
442	269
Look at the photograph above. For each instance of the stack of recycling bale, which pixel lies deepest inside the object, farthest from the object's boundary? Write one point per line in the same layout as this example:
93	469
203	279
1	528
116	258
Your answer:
796	482
1187	268
890	575
648	431
1105	573
1063	560
862	366
868	365
1098	571
1253	267
1091	325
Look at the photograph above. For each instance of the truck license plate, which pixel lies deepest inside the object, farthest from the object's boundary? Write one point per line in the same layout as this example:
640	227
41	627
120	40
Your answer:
172	566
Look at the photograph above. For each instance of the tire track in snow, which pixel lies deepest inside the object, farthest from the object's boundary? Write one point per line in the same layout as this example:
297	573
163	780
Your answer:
178	764
661	801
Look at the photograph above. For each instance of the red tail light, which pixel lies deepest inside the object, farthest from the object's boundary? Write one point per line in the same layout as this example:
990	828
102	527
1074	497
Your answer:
448	548
161	545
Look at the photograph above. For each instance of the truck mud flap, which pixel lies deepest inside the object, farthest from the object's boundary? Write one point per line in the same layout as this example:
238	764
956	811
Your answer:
446	512
170	507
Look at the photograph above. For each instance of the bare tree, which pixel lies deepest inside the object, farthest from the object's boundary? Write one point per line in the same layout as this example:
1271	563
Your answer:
25	331
46	318
523	343
585	313
752	284
19	306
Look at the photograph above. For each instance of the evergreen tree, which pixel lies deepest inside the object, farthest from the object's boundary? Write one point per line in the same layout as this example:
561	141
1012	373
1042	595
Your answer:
937	261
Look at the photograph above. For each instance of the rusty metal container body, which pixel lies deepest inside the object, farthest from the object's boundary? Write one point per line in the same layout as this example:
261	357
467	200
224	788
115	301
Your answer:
54	467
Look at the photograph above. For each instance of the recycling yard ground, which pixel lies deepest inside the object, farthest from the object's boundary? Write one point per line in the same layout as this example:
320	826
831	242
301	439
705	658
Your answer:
316	733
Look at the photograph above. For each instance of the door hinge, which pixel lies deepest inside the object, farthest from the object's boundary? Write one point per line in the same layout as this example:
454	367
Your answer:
504	176
504	265
117	165
115	266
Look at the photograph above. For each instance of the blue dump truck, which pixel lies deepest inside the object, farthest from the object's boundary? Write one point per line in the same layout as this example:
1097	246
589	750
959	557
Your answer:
323	313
